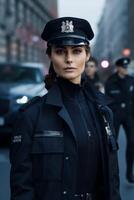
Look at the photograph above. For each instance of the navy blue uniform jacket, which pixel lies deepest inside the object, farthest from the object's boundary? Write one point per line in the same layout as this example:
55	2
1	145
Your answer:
121	92
41	169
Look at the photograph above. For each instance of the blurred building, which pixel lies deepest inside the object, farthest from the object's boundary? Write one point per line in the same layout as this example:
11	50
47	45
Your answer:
21	23
115	36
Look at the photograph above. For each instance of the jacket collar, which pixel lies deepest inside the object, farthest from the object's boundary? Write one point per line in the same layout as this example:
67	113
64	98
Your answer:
54	96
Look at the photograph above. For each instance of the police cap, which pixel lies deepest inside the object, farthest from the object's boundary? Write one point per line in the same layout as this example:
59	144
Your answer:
122	62
67	31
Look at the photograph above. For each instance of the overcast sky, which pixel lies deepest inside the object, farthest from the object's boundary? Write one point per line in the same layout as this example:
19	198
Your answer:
88	9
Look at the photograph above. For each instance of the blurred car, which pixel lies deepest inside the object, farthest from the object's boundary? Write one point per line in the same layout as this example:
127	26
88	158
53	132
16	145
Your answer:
19	82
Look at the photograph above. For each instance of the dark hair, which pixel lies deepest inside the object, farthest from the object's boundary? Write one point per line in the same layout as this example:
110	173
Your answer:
50	78
48	51
93	59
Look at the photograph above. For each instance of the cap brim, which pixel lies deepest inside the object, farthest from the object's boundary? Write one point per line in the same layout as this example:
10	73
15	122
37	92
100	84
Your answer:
68	41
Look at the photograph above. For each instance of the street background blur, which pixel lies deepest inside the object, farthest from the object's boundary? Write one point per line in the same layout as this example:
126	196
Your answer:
21	23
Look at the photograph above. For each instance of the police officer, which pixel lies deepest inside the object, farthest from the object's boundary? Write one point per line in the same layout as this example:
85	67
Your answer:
91	73
63	147
120	87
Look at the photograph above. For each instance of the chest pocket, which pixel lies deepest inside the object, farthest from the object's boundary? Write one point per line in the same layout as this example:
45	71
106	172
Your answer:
47	155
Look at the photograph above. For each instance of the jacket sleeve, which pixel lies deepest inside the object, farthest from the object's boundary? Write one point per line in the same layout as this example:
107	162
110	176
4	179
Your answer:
21	182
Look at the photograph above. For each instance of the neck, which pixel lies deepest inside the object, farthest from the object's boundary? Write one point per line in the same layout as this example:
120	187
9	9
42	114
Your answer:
74	81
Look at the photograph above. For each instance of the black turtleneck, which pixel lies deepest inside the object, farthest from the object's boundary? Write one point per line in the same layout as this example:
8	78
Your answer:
87	139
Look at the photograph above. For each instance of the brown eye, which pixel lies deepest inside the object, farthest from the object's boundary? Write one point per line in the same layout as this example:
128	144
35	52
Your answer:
91	66
77	51
59	51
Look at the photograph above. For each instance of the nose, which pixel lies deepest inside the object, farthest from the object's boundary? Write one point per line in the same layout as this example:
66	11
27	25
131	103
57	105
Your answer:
68	57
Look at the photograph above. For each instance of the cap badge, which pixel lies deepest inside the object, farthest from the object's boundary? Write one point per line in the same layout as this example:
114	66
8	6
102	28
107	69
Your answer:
67	27
125	61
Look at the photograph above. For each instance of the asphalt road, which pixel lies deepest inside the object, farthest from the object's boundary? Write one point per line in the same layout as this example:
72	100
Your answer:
127	190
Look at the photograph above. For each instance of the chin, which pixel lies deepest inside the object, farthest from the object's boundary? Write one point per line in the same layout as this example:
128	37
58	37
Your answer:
69	76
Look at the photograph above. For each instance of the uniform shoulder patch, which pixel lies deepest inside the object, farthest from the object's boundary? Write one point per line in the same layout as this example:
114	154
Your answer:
29	103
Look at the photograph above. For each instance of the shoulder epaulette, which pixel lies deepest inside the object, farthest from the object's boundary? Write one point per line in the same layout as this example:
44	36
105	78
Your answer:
29	103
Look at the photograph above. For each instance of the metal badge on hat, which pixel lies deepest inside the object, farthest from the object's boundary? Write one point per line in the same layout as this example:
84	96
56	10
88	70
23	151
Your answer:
125	61
67	27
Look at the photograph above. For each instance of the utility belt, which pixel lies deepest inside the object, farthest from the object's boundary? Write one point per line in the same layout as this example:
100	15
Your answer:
85	196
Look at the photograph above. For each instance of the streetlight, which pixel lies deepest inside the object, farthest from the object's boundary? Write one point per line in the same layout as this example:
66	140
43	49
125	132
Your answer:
126	52
105	64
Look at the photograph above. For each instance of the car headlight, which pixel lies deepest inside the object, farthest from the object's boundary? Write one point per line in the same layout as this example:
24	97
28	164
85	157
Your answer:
22	100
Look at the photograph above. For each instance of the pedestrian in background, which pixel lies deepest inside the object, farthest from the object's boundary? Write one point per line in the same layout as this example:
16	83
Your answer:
63	145
120	87
91	72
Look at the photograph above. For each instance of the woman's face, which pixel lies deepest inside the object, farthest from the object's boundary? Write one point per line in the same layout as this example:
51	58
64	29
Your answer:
91	69
122	71
69	61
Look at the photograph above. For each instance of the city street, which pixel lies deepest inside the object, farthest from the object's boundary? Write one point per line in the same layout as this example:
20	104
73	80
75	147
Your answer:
65	44
127	190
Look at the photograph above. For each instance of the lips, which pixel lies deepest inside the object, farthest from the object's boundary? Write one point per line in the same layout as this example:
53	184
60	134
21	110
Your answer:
69	68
